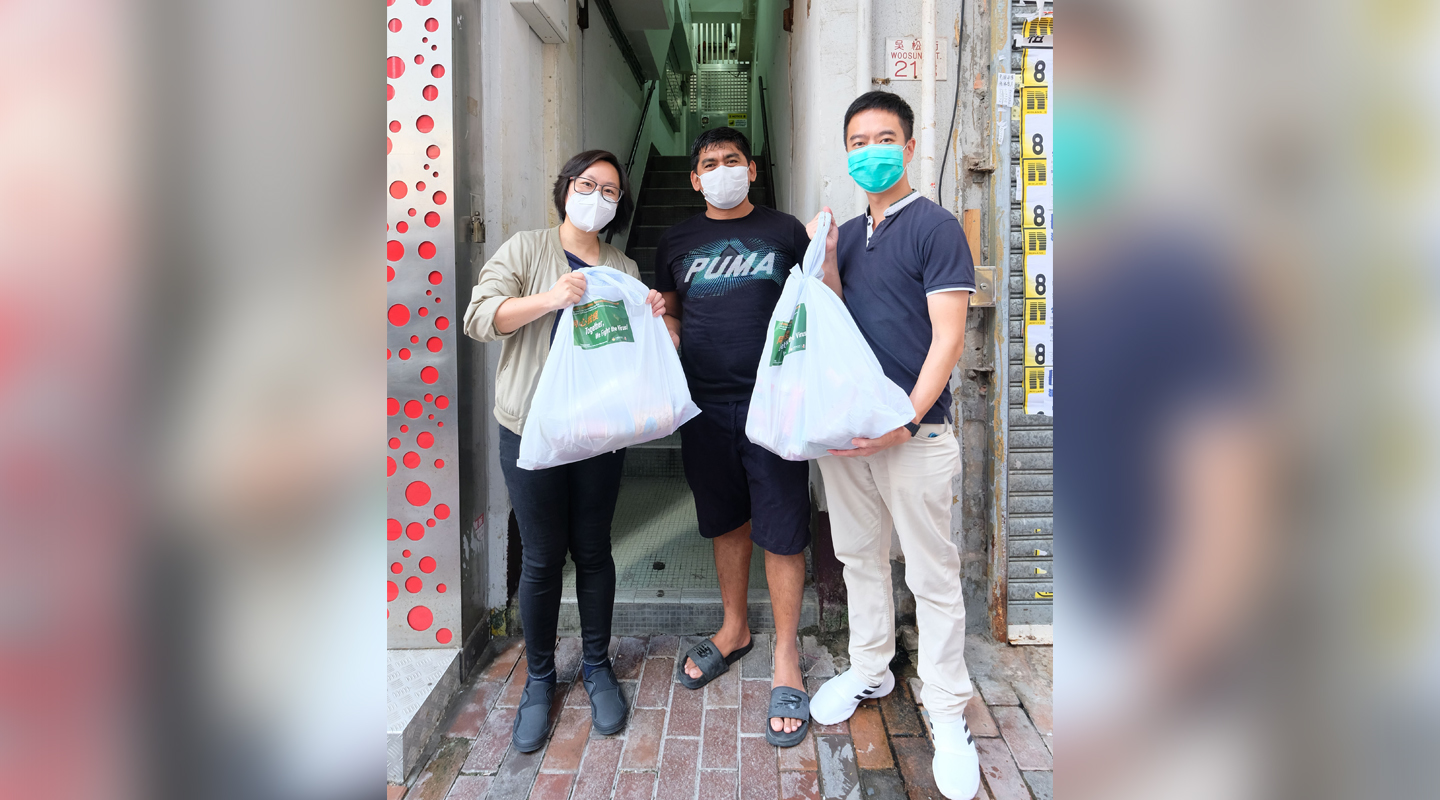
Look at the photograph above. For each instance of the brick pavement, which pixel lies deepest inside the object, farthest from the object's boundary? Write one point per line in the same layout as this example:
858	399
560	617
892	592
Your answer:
704	745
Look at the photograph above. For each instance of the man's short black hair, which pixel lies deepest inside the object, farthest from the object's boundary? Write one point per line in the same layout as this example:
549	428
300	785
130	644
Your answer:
579	164
883	101
715	136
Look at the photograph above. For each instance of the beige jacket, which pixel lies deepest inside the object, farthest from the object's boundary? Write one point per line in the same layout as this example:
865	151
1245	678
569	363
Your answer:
528	263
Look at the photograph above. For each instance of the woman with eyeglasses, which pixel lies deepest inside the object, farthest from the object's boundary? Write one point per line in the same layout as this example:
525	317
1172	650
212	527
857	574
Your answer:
518	299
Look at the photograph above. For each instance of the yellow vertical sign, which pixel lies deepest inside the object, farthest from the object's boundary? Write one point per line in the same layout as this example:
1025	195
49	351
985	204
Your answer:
1037	236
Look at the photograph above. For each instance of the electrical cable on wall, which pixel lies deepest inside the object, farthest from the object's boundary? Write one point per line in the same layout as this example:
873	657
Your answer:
960	48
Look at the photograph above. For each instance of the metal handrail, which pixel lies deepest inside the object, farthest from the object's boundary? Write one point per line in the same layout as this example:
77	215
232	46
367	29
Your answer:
769	150
634	148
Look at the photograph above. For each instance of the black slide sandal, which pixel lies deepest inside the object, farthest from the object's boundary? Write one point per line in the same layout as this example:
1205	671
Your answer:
787	703
712	665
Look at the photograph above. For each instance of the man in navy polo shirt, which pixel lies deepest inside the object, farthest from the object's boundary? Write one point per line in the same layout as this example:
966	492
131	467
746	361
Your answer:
905	272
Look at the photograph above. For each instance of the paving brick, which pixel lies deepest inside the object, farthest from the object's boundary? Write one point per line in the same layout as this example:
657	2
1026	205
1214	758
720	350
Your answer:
667	646
1041	783
395	791
655	683
507	652
516	775
916	757
872	748
799	786
757	663
718	784
812	685
1038	704
998	769
628	657
553	786
977	715
815	660
759	769
567	743
721	736
491	744
997	692
754	707
470	787
577	697
642	740
802	756
597	771
839	774
687	712
635	786
474	705
435	778
1025	744
515	687
679	764
881	784
724	690
898	709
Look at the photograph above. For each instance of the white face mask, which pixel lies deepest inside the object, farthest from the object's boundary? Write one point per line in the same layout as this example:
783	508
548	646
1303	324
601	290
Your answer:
589	212
725	187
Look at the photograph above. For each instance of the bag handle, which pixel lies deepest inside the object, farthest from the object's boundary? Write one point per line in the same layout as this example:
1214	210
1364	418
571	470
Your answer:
814	263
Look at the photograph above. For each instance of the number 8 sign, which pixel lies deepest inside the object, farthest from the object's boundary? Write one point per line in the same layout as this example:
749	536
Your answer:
1039	64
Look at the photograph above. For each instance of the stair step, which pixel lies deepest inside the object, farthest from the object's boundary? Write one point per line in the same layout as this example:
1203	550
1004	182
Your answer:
664	216
674	163
666	179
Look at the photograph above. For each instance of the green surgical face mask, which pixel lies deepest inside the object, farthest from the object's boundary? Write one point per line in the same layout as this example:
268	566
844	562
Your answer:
877	167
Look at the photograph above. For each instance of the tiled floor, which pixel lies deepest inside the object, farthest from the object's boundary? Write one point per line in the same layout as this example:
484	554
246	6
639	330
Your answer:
697	745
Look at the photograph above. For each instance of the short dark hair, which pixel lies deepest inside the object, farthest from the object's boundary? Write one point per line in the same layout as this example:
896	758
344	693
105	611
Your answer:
579	164
881	101
716	136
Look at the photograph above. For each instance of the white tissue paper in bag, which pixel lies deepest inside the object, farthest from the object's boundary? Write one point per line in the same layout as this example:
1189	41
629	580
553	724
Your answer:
612	378
819	385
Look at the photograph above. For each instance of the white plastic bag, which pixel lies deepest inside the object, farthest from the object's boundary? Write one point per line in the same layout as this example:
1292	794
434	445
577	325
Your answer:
612	378
819	385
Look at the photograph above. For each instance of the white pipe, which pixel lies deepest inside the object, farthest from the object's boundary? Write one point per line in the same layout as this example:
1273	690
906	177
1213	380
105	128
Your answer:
863	66
927	98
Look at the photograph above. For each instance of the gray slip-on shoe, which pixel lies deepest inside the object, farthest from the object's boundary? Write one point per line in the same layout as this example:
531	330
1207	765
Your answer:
532	720
607	701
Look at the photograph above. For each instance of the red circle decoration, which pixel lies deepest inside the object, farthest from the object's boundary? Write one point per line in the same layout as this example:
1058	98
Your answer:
411	212
439	463
442	511
394	444
389	94
432	25
394	25
389	273
389	466
433	344
427	565
442	323
418	493
415	339
389	146
392	406
420	618
415	531
394	126
439	198
430	523
399	314
429	398
435	277
422	2
442	402
413	584
396	567
405	553
392	529
404	354
432	219
419	59
411	459
424	311
413	409
443	636
433	151
429	374
437	71
440	587
425	440
398	189
402	226
394	251
424	124
430	92
395	67
404	428
427	250
391	591
420	186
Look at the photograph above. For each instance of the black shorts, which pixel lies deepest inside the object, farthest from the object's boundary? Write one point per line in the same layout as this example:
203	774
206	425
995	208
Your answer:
735	480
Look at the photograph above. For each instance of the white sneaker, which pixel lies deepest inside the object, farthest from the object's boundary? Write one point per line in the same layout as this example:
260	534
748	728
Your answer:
956	764
841	695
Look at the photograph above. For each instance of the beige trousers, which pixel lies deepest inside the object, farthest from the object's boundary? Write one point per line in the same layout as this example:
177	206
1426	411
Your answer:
905	488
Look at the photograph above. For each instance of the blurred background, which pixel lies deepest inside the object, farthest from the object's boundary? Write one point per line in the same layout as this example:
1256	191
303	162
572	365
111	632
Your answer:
189	369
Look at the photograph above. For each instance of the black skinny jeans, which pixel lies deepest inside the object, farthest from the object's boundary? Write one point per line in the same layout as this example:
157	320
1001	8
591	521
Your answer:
565	508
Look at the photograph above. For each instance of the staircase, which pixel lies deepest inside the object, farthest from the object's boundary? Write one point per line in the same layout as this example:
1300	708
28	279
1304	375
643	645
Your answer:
667	198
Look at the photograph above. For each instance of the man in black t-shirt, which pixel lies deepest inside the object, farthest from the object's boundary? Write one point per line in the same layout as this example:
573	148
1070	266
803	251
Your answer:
721	274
